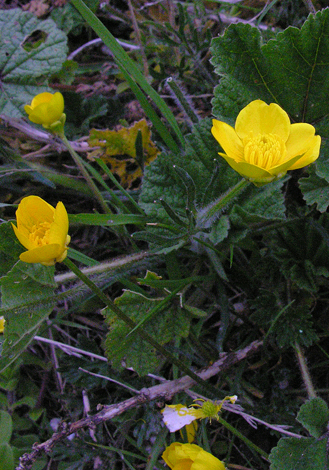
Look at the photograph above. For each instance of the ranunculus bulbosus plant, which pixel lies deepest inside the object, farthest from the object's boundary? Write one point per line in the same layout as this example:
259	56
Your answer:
264	144
42	230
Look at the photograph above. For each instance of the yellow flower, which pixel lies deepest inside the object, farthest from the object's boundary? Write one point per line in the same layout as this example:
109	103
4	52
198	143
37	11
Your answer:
2	324
177	416
264	144
43	230
190	457
46	109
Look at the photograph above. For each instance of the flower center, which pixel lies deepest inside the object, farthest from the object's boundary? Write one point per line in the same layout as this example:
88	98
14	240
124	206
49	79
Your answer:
209	409
40	234
264	150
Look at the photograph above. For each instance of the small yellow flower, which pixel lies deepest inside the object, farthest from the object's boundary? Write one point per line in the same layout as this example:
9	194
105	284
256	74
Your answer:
190	457
43	230
177	416
264	144
2	324
46	109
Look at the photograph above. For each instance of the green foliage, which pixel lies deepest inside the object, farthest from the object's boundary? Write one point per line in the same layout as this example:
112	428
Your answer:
26	297
235	262
314	416
285	70
6	426
170	323
287	324
307	453
302	249
21	67
6	452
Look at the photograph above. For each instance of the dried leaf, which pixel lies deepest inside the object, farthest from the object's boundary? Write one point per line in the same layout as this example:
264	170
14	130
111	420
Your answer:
118	150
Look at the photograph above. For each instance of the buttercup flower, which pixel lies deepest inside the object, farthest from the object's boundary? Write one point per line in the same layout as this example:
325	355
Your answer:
177	416
264	144
2	324
43	230
46	109
190	457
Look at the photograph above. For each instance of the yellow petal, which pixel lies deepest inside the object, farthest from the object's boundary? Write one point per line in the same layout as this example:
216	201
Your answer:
310	156
41	98
259	118
247	170
228	139
299	139
284	167
39	115
169	455
60	226
46	254
23	238
28	109
206	461
31	211
183	465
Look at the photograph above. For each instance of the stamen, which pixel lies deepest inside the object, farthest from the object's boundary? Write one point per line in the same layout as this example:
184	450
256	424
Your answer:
264	150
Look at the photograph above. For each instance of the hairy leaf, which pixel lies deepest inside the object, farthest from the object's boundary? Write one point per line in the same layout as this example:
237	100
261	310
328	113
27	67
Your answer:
314	416
30	51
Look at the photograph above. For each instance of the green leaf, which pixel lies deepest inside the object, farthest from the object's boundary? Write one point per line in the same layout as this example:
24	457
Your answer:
286	70
315	191
6	427
259	205
200	161
6	457
314	416
10	248
219	230
302	249
136	353
104	219
296	454
23	62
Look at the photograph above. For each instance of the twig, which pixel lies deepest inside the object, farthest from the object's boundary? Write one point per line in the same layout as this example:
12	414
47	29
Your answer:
97	41
43	136
166	390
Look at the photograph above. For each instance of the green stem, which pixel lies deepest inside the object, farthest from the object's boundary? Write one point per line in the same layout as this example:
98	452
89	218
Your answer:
80	165
243	438
304	371
126	319
216	206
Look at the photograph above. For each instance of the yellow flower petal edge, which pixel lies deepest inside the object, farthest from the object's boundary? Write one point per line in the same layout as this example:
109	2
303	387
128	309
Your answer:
264	145
43	230
46	109
190	457
2	324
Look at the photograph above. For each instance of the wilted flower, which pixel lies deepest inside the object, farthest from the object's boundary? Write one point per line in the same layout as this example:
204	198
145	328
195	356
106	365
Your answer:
2	324
190	457
177	416
46	109
264	144
43	230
